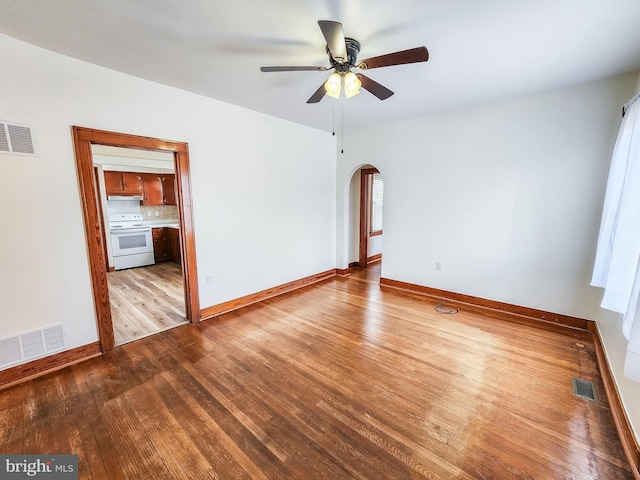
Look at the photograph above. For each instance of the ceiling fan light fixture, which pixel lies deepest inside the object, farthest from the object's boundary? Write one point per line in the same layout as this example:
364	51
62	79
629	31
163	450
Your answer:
333	85
352	84
343	56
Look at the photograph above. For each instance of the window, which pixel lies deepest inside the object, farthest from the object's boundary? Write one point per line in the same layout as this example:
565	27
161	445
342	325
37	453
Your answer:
377	190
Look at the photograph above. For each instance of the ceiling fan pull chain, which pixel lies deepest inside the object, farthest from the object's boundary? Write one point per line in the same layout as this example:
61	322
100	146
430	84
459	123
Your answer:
333	119
342	128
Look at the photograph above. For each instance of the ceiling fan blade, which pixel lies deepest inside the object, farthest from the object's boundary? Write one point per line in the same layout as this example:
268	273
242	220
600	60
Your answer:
413	55
334	35
292	69
374	87
318	95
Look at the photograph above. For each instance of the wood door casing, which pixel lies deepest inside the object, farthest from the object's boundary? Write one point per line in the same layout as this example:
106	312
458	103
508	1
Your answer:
83	139
366	177
103	229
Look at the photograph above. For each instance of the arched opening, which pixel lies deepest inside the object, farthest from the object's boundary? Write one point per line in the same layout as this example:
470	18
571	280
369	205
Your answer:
366	200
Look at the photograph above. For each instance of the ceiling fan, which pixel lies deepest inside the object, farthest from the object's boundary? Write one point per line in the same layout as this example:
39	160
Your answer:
343	56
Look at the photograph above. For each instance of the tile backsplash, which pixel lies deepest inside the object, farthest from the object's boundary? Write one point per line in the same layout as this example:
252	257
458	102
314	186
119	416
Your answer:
164	212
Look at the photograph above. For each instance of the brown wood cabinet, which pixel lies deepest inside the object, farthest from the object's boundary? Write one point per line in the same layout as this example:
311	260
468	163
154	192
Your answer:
160	244
123	183
159	189
155	188
166	244
169	189
112	182
152	189
173	237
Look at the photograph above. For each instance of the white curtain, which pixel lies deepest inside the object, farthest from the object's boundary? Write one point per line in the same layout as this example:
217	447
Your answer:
617	264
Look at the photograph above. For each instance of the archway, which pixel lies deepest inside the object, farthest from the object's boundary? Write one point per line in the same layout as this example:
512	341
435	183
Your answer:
365	204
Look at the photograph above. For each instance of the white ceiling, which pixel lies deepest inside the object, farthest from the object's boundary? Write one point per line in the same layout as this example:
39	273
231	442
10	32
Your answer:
481	51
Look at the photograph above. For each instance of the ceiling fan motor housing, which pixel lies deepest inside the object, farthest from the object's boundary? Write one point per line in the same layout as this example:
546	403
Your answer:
353	48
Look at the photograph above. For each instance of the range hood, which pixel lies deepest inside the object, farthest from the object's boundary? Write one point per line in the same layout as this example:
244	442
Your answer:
137	198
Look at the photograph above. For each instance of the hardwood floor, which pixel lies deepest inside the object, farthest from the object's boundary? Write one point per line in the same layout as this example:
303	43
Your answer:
337	380
146	300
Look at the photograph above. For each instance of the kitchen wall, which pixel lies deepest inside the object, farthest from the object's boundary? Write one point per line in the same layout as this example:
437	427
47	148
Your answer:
261	218
160	212
506	196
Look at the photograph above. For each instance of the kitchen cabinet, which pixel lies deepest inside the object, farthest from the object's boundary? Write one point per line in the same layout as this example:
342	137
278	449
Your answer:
160	244
152	185
159	189
173	237
113	182
169	189
166	244
123	183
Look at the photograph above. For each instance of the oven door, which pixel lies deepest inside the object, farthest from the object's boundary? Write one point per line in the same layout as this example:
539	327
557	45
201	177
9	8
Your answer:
131	241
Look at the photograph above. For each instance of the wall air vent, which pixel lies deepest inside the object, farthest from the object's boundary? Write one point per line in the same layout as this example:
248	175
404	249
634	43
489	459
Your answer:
18	139
30	345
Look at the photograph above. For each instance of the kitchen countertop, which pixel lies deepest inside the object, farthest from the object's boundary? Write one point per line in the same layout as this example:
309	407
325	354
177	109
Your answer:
171	223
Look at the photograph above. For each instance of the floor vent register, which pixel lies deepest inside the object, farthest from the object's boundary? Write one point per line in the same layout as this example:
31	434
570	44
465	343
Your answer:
583	389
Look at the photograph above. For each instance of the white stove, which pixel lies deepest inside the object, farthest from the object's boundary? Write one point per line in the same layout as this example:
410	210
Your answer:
131	241
123	221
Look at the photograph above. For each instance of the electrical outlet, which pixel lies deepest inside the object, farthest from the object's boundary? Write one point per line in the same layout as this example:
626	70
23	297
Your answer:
209	279
438	266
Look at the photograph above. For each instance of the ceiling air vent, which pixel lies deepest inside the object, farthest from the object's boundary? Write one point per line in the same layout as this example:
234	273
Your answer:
18	139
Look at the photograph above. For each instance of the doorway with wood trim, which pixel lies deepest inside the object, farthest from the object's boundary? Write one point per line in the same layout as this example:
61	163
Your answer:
84	138
136	196
371	204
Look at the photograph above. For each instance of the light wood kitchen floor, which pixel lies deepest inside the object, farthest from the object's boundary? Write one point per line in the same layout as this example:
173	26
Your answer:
146	300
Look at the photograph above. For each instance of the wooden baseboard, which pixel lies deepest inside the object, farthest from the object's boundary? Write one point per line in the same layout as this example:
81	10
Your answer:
374	258
230	305
343	272
354	265
496	309
623	426
42	366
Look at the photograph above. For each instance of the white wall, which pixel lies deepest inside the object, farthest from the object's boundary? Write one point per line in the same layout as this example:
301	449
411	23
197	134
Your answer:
506	196
263	188
375	245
